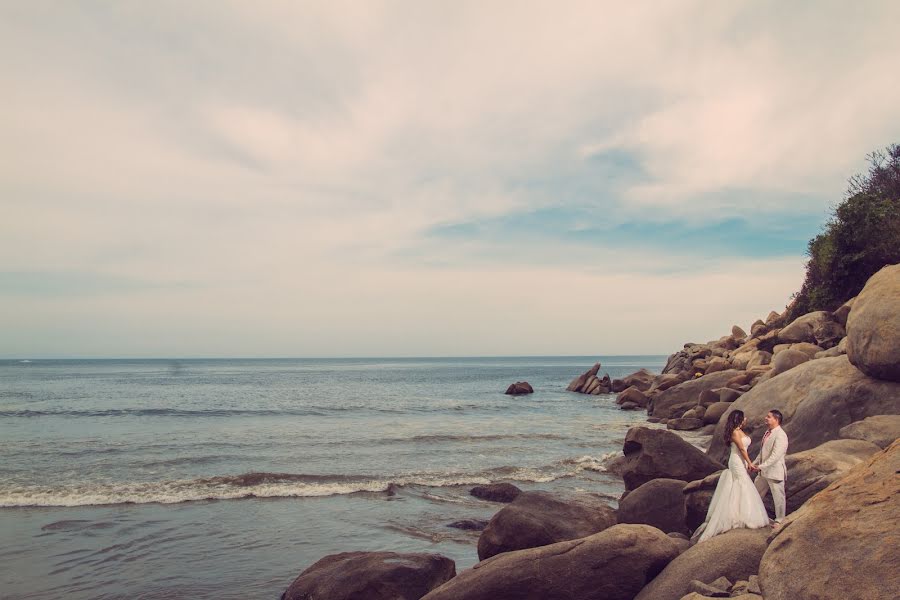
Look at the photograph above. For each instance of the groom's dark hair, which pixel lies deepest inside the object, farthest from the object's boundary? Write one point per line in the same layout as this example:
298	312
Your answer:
777	414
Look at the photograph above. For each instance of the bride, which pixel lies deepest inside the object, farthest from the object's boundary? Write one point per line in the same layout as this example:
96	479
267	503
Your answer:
735	503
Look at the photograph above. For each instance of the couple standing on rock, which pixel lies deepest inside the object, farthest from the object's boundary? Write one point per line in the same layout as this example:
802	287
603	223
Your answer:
737	501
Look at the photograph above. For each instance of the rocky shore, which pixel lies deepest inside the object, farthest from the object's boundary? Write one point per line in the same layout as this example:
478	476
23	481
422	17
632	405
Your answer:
836	378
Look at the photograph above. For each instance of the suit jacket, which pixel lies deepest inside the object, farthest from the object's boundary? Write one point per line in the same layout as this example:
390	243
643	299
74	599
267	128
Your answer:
771	456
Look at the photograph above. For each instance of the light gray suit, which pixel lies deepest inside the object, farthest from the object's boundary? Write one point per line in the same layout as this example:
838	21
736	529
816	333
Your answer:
772	470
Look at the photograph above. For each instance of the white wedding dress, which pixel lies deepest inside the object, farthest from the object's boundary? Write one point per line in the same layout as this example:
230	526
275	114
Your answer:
735	503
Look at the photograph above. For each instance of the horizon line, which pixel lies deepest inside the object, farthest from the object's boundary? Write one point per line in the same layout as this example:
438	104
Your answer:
36	358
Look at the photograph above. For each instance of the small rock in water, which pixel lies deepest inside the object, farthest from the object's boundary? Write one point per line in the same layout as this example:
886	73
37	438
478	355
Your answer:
469	524
519	388
496	492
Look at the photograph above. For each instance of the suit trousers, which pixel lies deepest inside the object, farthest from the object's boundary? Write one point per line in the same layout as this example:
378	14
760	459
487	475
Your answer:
764	485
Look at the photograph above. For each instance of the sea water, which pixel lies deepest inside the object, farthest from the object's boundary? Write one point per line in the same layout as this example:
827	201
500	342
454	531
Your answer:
227	478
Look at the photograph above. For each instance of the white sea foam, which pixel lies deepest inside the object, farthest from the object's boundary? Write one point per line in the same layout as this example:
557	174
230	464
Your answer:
275	485
591	463
170	492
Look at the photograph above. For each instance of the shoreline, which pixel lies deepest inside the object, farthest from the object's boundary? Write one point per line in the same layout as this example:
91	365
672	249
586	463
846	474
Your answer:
275	538
841	412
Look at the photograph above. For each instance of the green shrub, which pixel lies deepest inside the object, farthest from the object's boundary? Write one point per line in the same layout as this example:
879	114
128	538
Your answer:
862	236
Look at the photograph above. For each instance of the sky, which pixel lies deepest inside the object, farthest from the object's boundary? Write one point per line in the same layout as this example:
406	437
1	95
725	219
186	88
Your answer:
236	179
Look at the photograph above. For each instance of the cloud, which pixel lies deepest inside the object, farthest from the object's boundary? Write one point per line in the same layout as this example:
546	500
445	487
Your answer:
306	171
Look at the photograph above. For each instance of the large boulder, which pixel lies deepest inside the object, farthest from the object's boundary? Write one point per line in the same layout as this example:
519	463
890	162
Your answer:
697	498
716	364
685	424
811	471
681	362
758	328
496	492
633	395
714	412
816	328
708	397
372	575
805	347
540	518
658	453
772	318
740	358
817	399
666	381
641	380
734	555
759	358
873	327
881	430
659	503
727	394
673	401
844	542
611	565
787	360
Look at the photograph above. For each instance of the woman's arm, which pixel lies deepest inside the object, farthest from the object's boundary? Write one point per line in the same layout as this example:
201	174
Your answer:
737	440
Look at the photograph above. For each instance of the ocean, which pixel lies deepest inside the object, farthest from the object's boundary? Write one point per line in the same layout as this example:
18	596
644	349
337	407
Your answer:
227	478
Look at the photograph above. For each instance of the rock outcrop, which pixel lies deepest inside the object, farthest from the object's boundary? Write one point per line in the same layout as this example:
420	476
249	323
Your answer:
816	328
734	555
674	401
372	575
873	326
817	399
579	381
642	380
589	383
844	542
811	471
540	518
659	503
657	453
611	565
881	430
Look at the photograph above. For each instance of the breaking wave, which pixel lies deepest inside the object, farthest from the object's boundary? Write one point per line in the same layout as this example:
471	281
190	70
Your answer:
274	485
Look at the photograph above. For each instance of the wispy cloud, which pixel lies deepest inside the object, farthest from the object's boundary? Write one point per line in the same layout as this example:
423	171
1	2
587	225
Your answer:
401	178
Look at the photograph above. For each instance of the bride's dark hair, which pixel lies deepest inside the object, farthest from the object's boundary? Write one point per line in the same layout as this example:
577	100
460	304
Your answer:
734	421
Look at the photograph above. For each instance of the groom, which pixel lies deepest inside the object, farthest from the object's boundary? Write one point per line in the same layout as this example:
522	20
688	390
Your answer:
770	464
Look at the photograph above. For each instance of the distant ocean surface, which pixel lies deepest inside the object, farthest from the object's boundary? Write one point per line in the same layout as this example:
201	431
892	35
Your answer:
226	478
